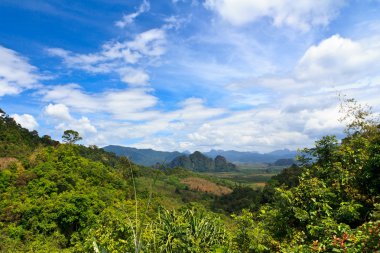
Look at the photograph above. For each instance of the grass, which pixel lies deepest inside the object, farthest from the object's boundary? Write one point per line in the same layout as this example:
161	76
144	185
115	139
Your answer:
203	185
253	175
174	188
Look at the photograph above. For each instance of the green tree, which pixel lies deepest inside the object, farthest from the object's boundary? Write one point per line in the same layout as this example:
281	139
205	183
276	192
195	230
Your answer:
71	136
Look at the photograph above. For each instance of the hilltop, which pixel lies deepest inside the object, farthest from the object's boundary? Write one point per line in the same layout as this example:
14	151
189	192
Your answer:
199	162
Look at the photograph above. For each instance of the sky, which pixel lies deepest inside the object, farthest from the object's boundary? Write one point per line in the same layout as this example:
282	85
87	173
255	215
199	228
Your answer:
247	75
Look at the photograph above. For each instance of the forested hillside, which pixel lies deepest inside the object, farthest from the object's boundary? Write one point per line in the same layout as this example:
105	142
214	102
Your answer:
146	157
70	198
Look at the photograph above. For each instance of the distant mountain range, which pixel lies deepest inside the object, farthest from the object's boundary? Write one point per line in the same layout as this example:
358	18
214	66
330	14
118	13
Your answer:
200	162
146	157
253	157
149	157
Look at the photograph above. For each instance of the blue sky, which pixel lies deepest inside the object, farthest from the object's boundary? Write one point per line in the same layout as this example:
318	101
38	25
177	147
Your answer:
188	74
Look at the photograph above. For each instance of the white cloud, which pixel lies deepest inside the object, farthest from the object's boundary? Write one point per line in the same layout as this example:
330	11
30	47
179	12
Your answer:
304	102
133	76
339	61
246	130
176	22
117	50
131	104
82	125
70	94
16	74
336	64
58	111
241	130
289	110
287	123
193	109
121	58
301	15
129	18
60	114
133	109
323	120
149	43
25	120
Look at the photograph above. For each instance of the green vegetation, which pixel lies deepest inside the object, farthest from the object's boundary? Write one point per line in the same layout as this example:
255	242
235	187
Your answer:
71	136
18	142
70	198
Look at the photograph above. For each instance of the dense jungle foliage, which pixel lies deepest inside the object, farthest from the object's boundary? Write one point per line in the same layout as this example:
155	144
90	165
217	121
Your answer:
70	198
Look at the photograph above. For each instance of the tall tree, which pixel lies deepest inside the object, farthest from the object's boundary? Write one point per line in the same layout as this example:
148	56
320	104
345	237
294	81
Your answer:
71	136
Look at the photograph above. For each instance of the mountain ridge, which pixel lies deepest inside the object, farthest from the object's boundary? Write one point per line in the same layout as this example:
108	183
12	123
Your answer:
150	157
146	157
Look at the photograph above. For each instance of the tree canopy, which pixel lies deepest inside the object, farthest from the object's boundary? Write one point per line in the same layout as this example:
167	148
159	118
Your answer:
72	198
71	136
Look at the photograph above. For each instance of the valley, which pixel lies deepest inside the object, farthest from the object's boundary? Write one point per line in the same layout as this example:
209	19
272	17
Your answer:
67	197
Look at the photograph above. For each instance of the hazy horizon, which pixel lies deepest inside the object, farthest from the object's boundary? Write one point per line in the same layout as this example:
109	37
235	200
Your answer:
204	151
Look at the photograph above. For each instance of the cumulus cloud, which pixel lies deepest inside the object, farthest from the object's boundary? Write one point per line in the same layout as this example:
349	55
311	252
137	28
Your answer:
322	120
266	128
118	57
241	130
26	120
82	125
287	123
339	60
193	109
334	64
263	129
303	103
58	111
61	116
133	110
129	18
130	104
133	76
16	74
290	110
301	15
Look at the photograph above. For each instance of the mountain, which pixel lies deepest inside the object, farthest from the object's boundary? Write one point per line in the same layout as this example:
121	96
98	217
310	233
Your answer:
149	157
146	157
253	157
199	162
